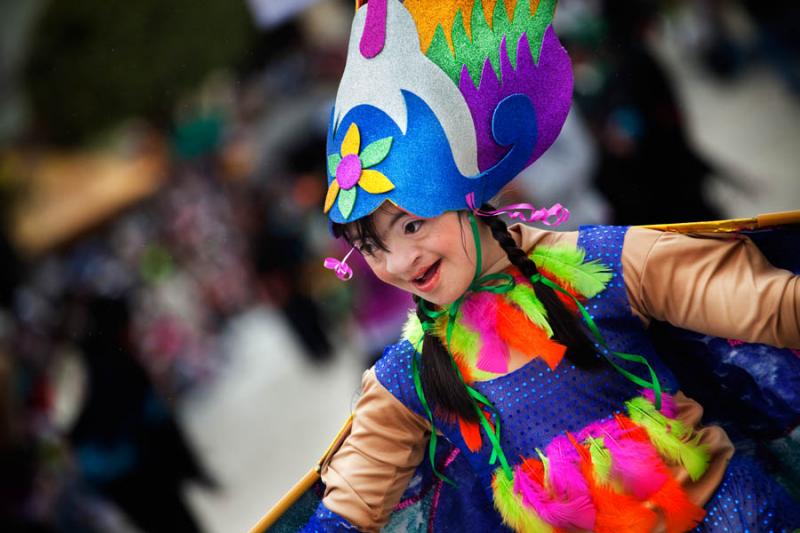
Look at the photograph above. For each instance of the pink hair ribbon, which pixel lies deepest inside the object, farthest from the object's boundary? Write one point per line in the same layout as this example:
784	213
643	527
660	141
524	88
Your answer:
557	212
342	269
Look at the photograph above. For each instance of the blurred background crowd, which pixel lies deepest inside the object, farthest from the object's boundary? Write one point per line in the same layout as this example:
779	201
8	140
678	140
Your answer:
173	355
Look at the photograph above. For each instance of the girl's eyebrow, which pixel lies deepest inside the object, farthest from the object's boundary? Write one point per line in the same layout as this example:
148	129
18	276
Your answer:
397	216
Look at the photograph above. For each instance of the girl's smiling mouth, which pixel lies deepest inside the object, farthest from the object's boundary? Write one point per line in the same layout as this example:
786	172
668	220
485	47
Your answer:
428	279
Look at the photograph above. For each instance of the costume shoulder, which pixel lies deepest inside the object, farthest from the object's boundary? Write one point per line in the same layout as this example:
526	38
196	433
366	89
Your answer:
393	371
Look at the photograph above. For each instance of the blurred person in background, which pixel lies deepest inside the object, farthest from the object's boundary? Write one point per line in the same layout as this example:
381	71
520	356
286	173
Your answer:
564	175
126	441
281	247
647	169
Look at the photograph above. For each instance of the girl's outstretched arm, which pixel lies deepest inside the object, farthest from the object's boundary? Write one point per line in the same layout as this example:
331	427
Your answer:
718	284
368	474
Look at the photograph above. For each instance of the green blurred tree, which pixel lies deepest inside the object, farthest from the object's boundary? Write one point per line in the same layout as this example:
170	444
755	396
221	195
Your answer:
93	63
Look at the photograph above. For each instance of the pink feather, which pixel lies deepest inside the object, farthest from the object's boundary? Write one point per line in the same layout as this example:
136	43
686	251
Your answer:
599	429
576	513
668	407
570	504
480	314
637	465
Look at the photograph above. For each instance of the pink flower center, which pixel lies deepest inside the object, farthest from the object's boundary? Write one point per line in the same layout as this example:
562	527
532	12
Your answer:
348	172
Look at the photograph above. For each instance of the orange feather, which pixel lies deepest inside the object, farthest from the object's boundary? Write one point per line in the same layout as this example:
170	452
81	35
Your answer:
471	431
616	513
680	514
632	431
521	334
566	300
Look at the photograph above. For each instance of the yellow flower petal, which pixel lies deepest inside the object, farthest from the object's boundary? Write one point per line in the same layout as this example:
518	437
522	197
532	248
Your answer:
374	182
333	190
352	141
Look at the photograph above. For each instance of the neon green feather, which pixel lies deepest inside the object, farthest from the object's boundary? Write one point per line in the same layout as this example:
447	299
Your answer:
564	262
467	343
567	263
671	438
464	342
601	459
523	296
545	467
515	514
412	329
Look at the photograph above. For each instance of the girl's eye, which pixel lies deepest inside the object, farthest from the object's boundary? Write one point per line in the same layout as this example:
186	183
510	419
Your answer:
413	226
366	248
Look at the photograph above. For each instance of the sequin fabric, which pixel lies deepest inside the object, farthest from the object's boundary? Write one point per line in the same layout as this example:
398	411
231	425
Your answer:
748	501
326	521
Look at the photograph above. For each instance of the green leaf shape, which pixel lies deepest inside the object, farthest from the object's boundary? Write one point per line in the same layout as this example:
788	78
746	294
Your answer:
346	201
467	52
375	152
567	263
670	437
485	41
536	25
500	21
439	52
333	162
525	298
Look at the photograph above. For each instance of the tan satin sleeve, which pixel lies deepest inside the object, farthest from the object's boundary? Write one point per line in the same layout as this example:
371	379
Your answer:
368	474
717	284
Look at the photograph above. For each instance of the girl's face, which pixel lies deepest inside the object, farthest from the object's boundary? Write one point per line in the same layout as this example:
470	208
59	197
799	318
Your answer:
433	258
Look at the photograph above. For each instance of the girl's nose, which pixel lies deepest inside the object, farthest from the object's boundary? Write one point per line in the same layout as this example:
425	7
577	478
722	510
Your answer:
402	260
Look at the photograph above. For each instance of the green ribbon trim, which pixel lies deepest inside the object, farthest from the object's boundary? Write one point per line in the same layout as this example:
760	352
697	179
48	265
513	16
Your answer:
653	384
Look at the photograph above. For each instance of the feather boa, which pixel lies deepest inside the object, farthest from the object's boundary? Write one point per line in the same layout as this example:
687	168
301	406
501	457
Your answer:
489	324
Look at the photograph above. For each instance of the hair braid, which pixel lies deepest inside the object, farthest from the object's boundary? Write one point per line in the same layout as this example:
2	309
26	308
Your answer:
440	379
567	329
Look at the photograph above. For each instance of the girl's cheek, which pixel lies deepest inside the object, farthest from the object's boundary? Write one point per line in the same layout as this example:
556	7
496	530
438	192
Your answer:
379	269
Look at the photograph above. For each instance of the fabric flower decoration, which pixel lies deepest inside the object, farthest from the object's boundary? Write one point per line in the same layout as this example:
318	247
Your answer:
351	168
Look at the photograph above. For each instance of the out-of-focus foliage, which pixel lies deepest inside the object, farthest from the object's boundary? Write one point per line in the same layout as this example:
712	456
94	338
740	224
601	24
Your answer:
93	63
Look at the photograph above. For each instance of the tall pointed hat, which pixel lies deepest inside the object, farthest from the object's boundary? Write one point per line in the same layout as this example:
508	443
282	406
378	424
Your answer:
442	98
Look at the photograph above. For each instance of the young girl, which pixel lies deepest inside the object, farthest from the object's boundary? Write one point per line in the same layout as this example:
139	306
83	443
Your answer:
527	351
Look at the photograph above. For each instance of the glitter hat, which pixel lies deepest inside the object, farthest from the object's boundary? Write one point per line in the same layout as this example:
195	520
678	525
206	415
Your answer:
440	99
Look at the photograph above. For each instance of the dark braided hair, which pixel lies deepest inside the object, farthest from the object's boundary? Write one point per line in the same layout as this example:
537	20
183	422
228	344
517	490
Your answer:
567	328
441	381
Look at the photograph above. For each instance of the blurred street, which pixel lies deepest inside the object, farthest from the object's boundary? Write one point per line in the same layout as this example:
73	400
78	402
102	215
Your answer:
266	420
